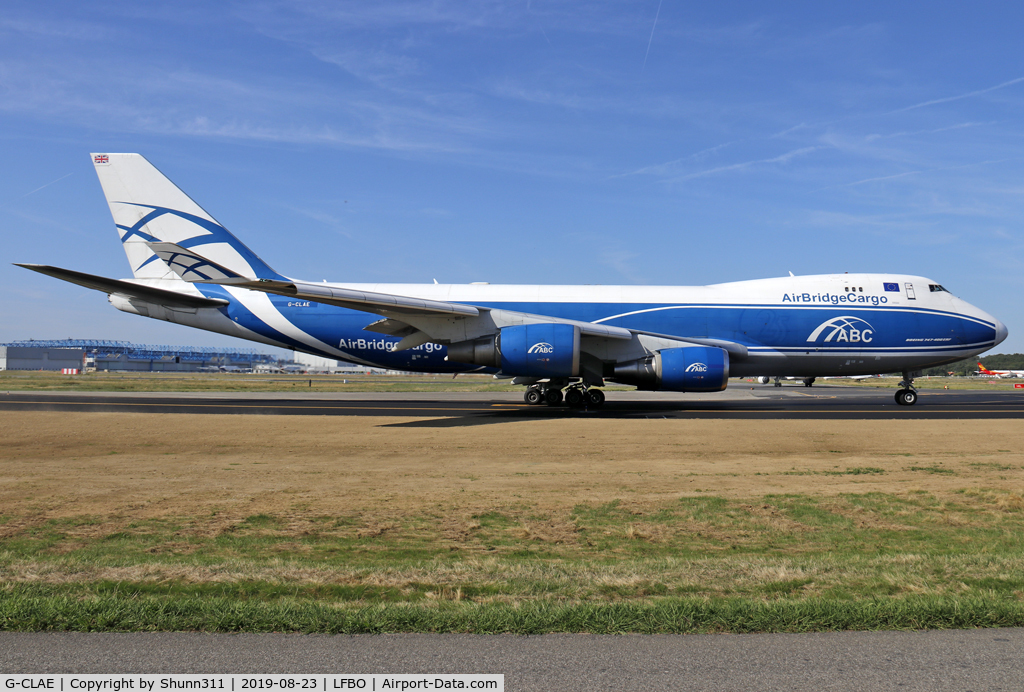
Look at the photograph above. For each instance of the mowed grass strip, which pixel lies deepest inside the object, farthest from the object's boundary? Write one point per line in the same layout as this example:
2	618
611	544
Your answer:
41	381
27	381
32	609
789	562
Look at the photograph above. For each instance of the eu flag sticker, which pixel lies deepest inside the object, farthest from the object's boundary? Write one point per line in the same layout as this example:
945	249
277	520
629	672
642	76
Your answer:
891	288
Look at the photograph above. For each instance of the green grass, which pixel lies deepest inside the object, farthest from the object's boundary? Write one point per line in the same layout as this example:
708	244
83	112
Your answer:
22	381
36	609
14	380
772	563
953	383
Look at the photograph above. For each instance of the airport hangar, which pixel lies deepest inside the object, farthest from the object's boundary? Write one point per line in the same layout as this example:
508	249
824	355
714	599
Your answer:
75	356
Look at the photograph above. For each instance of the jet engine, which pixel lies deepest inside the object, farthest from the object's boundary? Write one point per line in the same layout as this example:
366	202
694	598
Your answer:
530	350
686	369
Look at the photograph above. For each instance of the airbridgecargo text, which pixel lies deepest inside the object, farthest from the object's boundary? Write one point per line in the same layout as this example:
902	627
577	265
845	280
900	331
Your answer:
833	298
241	683
384	345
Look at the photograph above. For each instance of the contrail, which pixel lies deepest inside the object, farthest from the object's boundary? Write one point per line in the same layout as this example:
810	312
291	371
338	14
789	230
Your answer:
47	185
957	98
651	39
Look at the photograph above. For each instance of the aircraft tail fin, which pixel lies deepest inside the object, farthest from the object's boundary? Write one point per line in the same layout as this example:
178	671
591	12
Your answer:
148	208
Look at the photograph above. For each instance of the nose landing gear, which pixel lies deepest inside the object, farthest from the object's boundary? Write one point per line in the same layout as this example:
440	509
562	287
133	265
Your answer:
906	395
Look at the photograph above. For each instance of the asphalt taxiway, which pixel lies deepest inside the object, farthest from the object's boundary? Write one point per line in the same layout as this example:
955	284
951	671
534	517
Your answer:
933	661
740	402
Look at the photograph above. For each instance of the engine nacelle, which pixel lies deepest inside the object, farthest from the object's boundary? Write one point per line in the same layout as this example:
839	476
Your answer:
532	350
478	351
686	369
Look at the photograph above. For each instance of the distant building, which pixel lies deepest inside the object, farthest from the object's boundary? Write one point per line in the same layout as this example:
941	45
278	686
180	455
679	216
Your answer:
104	356
315	363
31	357
319	364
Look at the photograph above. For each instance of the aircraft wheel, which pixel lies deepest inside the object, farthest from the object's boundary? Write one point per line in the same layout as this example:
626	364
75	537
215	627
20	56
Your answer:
595	397
533	396
553	397
906	397
574	397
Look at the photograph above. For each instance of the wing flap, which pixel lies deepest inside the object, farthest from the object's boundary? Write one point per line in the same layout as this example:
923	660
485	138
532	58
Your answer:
736	350
391	327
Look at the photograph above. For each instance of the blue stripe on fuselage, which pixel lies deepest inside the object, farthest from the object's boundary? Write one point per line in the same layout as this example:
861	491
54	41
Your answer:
841	330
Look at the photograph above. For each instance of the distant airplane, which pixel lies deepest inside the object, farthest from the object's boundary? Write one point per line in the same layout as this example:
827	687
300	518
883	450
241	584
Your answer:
809	381
188	269
985	372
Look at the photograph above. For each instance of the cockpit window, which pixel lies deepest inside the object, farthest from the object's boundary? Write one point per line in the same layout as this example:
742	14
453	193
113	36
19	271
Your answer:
935	288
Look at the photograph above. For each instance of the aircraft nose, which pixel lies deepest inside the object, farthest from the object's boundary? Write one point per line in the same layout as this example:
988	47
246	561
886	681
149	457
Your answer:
1001	332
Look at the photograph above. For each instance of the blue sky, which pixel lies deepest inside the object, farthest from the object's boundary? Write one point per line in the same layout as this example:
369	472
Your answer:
531	142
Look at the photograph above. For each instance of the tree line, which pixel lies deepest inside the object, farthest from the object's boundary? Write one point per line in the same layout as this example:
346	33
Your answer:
969	366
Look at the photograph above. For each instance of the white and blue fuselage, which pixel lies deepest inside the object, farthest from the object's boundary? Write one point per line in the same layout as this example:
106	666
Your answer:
844	324
189	269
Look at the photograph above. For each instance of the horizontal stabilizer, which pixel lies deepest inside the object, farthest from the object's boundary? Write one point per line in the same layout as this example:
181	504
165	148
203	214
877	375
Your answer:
191	266
127	288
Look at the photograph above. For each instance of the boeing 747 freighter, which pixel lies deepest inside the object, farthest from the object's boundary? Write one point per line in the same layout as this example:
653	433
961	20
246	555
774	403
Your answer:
561	342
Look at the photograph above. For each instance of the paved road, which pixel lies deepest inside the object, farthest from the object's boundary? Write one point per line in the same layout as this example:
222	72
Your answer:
975	660
743	402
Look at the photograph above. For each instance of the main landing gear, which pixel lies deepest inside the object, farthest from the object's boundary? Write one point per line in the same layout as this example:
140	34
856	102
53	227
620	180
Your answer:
906	395
576	396
535	396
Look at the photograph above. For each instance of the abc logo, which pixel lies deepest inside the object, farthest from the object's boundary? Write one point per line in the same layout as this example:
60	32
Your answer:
542	347
845	328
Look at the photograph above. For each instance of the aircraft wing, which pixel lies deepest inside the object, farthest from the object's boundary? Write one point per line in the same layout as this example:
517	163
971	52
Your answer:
127	288
195	268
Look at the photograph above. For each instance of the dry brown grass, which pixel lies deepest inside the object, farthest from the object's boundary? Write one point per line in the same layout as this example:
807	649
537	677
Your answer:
367	480
220	469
